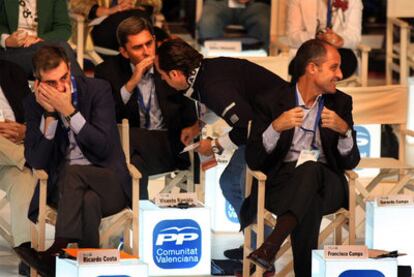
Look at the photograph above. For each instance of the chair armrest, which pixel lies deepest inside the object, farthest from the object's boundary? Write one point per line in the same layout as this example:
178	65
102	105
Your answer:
134	172
364	48
40	174
398	22
351	174
408	132
258	175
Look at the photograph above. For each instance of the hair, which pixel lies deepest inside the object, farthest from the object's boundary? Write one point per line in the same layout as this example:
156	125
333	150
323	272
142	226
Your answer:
132	26
48	57
176	54
311	51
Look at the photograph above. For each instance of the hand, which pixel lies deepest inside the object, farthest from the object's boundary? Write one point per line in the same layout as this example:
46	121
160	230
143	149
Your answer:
41	98
332	38
13	131
188	134
16	39
59	101
30	40
289	119
205	147
140	69
123	5
332	121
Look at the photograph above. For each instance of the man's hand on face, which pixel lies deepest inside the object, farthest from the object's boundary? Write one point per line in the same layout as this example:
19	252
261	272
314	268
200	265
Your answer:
205	147
41	97
140	69
58	101
333	121
13	131
288	119
188	134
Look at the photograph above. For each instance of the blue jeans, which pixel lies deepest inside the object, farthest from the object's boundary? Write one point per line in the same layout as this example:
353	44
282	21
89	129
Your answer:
255	18
232	184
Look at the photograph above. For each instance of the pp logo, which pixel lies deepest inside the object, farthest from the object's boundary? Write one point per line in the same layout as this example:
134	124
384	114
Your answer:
176	244
230	212
363	141
361	273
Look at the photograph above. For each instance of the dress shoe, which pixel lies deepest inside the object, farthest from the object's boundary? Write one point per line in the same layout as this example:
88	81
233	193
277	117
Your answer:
234	254
24	269
264	256
43	264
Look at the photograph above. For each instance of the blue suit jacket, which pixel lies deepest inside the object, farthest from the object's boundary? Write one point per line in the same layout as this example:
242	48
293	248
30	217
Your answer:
98	139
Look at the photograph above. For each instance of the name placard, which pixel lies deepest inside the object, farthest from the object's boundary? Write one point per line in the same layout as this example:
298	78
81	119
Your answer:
98	256
221	45
173	199
395	200
346	252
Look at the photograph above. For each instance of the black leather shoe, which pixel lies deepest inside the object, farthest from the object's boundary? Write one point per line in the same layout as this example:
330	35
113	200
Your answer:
264	256
234	254
24	269
43	264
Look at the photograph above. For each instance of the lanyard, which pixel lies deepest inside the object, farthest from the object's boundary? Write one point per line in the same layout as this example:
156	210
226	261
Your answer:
317	119
74	91
329	14
144	108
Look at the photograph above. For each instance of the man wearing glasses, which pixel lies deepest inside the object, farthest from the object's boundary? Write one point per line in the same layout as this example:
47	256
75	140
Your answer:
156	112
73	136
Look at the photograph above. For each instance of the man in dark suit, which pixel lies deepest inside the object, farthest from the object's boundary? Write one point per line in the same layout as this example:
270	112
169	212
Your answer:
156	112
222	87
73	136
303	139
15	178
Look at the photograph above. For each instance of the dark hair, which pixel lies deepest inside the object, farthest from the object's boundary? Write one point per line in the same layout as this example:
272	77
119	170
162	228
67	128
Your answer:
48	57
176	54
311	51
133	25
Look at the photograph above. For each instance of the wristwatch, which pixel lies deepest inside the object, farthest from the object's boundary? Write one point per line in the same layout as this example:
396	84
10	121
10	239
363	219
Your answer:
69	117
215	148
47	114
348	133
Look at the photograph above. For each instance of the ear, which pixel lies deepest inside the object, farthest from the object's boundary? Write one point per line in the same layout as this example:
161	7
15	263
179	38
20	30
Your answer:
123	52
312	68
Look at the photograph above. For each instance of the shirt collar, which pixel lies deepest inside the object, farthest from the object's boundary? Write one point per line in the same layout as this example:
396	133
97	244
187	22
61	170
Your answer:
300	101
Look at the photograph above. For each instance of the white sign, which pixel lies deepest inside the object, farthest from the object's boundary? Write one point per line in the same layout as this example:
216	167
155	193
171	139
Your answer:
221	45
174	199
395	200
346	252
98	256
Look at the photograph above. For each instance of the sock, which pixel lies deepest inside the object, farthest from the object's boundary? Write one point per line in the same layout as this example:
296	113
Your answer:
284	226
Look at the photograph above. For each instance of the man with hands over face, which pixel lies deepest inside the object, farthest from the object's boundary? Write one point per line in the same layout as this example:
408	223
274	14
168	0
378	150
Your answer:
73	136
303	140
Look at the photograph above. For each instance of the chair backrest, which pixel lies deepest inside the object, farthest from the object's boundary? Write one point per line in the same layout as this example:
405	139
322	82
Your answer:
382	105
278	14
400	8
277	64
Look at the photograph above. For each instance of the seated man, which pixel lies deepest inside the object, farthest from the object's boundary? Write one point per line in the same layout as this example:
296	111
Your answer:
73	136
303	140
15	178
23	30
156	112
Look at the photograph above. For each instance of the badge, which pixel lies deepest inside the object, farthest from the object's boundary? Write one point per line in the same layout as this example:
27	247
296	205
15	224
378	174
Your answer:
307	155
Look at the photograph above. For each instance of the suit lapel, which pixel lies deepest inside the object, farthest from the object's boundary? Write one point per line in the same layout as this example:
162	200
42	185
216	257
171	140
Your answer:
43	8
12	11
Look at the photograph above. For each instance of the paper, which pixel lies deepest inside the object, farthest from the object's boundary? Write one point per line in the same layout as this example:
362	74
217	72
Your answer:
307	155
190	147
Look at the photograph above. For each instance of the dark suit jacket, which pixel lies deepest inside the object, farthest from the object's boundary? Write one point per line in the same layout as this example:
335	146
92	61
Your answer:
14	84
178	112
53	17
229	88
98	139
270	107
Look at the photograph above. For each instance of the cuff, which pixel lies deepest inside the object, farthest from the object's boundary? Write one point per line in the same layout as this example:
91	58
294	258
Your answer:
51	129
345	145
270	138
226	142
3	40
125	95
77	122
